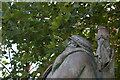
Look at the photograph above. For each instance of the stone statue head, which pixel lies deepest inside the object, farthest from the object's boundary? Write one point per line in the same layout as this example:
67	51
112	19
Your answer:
78	41
102	33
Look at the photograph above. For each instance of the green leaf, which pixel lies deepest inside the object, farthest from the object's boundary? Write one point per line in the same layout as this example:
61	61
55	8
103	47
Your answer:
5	62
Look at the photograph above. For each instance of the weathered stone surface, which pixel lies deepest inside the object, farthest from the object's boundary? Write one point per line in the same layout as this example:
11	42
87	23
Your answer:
76	65
105	54
78	60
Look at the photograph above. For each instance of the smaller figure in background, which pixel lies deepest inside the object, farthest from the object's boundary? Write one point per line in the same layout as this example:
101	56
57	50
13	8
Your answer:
104	53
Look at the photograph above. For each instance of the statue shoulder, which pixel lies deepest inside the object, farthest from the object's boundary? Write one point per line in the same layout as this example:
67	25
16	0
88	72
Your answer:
80	58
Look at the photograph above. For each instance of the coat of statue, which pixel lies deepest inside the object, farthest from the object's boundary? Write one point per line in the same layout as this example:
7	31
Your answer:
78	60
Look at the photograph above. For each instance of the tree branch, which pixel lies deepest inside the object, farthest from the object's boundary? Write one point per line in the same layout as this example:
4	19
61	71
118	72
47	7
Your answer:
5	67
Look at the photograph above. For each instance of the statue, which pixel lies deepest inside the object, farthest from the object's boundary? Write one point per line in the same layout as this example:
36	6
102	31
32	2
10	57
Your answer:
78	60
105	55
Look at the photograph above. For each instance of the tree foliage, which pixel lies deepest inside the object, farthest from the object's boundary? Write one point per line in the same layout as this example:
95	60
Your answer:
39	29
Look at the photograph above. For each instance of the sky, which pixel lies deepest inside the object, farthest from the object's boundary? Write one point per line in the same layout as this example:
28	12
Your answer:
14	47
